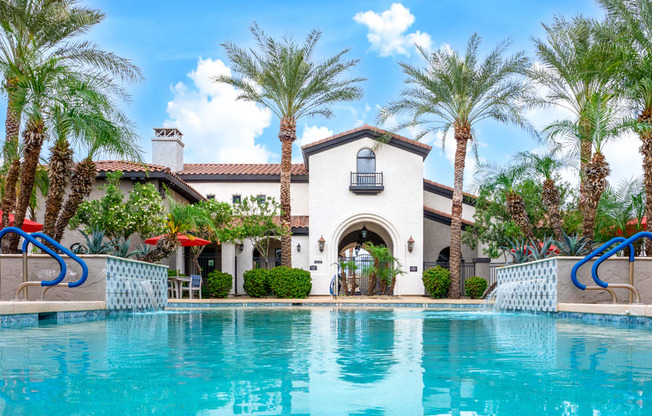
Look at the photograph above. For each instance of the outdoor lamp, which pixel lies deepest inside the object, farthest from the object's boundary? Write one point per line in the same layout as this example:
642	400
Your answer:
411	244
321	242
241	246
298	247
363	232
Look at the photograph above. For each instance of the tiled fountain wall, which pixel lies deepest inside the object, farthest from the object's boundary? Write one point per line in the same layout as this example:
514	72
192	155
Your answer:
541	285
532	286
123	284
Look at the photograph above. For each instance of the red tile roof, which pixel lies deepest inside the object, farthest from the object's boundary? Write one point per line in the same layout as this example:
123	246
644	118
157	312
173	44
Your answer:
373	129
439	185
144	168
297	221
240	169
444	214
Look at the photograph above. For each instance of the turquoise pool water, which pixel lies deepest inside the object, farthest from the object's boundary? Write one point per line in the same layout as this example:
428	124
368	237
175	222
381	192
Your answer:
322	361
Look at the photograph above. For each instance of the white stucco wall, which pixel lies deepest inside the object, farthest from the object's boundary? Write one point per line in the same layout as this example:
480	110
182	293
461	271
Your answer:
443	204
224	192
398	210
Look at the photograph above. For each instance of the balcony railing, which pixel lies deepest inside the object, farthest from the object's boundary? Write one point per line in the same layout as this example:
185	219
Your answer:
366	182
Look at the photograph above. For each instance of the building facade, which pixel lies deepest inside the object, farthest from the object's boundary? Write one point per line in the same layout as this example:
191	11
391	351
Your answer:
350	189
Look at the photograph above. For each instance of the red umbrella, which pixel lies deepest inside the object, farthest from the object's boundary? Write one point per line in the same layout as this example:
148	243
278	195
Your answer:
633	227
185	240
28	226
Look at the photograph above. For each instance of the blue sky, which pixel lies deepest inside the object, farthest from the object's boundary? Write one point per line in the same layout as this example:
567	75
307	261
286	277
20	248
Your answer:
177	45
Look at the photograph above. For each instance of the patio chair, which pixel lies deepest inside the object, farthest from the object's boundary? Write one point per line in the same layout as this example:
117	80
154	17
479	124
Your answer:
172	289
194	284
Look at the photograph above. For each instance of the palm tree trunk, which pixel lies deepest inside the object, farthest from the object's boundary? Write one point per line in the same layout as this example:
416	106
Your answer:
81	185
11	156
164	248
462	136
586	150
516	209
345	286
287	135
33	138
551	202
646	151
59	173
596	173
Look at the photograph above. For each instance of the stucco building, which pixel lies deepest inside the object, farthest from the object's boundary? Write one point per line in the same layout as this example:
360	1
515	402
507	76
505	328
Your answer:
348	190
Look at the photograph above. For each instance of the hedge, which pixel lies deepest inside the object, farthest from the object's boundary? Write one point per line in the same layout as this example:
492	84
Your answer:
256	282
219	284
475	287
290	283
437	280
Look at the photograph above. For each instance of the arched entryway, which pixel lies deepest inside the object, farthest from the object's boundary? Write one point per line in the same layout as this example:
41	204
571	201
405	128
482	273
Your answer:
355	263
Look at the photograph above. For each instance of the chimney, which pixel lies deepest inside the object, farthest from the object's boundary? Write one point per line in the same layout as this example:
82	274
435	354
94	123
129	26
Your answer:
167	148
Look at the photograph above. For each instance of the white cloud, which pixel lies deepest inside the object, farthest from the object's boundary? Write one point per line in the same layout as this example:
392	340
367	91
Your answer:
387	31
216	126
310	134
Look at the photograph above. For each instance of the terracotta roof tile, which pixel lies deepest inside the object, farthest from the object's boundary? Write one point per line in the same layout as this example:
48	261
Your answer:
135	167
445	214
297	221
240	169
375	130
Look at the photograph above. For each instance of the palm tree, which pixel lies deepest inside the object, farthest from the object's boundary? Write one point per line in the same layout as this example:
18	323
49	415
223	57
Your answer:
575	63
286	78
30	28
631	22
36	52
182	219
457	92
600	118
547	167
107	134
504	180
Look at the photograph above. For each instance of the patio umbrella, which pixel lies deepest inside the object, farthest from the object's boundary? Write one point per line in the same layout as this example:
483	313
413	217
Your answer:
28	226
184	240
552	249
632	227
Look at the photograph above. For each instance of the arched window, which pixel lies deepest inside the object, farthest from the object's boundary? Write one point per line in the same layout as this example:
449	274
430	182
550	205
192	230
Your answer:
366	161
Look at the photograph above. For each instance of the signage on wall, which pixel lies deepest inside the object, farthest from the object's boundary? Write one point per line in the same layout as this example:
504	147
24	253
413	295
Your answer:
313	268
318	261
413	268
211	262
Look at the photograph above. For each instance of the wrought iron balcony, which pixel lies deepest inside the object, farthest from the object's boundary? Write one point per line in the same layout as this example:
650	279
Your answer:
366	182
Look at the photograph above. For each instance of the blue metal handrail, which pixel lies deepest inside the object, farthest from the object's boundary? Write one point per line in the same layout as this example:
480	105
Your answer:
43	247
619	247
595	253
67	252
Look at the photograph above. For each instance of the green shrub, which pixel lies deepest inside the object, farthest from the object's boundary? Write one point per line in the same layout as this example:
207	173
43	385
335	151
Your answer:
290	283
256	282
219	284
475	287
437	281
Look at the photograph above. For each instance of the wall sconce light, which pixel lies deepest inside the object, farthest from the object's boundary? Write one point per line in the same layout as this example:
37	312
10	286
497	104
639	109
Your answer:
363	232
298	247
321	242
241	247
411	244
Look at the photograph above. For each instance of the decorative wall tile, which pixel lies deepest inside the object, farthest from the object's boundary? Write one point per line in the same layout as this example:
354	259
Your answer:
528	287
135	286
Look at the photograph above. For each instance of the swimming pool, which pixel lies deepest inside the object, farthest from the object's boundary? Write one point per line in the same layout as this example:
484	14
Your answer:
322	361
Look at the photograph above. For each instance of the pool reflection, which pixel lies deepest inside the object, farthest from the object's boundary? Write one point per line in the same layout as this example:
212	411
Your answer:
326	361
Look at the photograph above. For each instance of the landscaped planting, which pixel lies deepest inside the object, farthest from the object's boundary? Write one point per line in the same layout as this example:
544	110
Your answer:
290	283
437	281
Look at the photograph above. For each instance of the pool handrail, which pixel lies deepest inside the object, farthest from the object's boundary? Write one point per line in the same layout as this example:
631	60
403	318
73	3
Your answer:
605	256
65	251
47	250
593	254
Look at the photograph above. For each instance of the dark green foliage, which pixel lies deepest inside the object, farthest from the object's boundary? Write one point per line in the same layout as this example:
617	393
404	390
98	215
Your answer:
219	284
475	287
574	245
256	282
437	281
290	283
519	250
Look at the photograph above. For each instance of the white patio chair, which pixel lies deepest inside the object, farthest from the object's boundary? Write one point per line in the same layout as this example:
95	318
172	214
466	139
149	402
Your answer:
194	284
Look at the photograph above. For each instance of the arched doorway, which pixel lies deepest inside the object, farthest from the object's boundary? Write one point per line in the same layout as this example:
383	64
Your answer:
355	262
